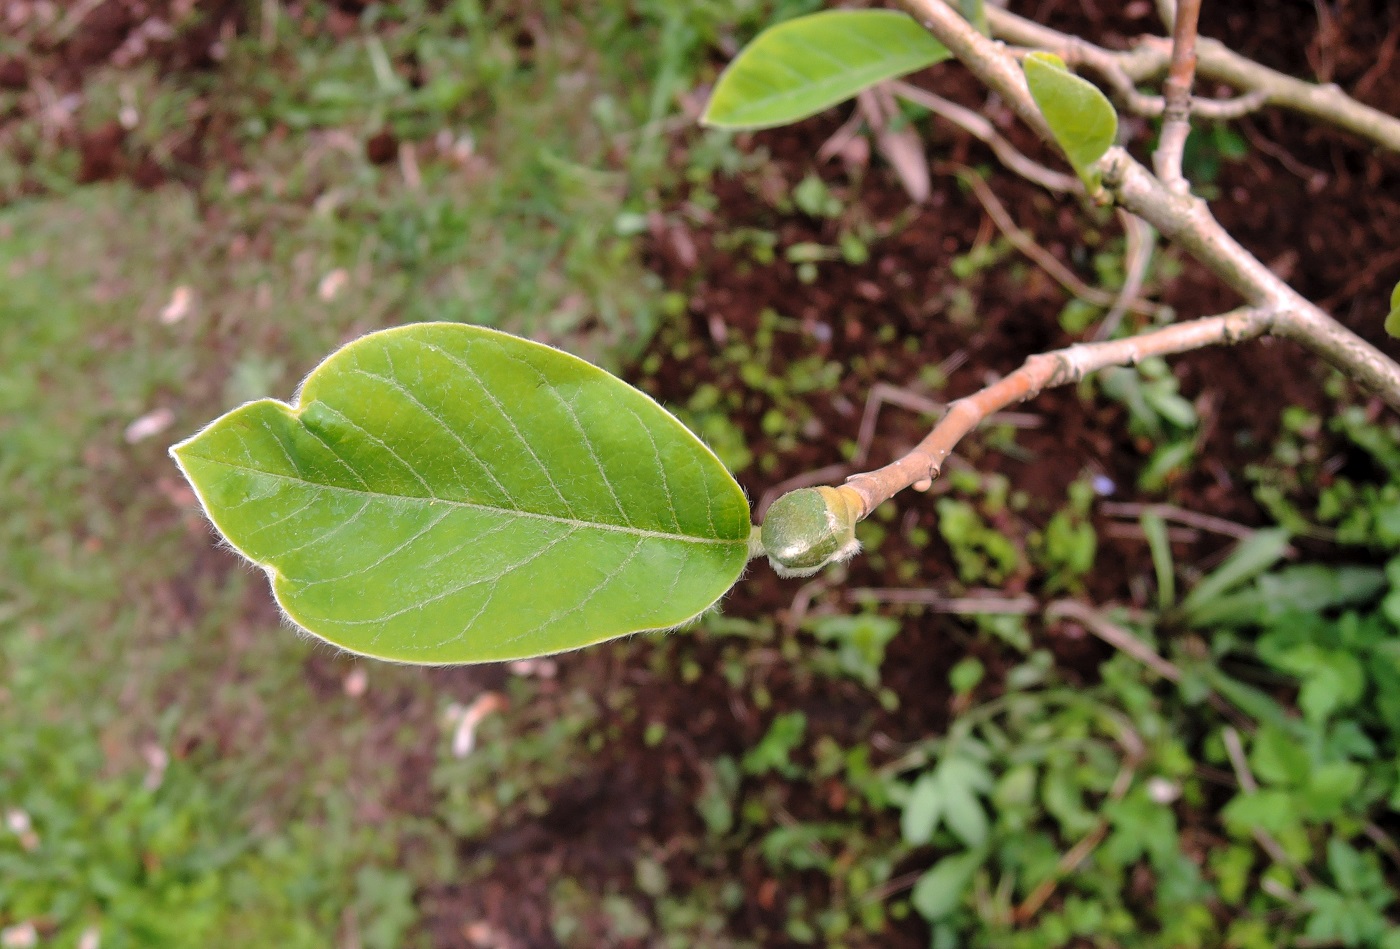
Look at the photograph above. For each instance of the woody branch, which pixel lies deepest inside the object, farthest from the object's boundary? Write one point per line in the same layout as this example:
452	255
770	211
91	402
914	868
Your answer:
1272	306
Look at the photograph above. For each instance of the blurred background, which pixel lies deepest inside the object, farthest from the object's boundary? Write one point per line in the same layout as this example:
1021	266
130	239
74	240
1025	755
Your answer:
945	742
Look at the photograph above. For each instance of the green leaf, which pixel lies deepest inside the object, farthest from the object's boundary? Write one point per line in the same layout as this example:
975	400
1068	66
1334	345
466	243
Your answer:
774	751
1278	757
1330	788
941	889
443	493
1154	529
805	65
715	802
975	12
963	813
1083	120
1392	322
1252	557
1267	810
923	810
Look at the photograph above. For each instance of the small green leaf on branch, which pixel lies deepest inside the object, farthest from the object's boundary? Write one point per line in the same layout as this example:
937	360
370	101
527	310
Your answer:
802	66
443	493
1392	322
1083	120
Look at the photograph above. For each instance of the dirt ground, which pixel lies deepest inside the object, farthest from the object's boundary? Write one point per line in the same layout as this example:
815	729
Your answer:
1319	207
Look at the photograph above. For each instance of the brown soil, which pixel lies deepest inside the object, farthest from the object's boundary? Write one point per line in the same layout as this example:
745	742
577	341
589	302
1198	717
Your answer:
1320	207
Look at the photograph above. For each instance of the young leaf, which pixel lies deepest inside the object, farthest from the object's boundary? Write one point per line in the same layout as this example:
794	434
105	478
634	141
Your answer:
443	493
1392	322
1083	120
805	65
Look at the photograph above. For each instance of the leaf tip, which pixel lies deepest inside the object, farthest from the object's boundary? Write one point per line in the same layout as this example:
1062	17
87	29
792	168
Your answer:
1392	323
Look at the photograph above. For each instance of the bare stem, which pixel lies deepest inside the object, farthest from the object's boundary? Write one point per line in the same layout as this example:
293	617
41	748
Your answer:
980	128
1176	95
1026	244
1116	636
1043	371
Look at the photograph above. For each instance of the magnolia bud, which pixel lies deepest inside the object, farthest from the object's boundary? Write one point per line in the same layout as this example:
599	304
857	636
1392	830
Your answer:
809	528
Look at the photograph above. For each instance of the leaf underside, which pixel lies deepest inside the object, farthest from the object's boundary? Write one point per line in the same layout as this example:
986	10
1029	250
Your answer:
444	493
802	66
1083	120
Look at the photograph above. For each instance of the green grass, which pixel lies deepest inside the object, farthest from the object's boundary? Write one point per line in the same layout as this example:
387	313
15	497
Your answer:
122	633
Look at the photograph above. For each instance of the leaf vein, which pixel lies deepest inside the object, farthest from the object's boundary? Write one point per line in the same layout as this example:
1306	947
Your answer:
466	367
470	505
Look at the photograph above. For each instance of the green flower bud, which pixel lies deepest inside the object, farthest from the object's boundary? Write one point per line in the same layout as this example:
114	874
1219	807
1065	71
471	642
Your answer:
809	528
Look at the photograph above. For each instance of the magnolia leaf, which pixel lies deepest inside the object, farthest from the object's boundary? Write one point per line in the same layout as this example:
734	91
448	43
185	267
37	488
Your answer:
443	493
1392	322
805	65
1083	120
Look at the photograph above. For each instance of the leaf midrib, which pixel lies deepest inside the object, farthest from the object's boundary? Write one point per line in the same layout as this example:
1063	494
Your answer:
469	505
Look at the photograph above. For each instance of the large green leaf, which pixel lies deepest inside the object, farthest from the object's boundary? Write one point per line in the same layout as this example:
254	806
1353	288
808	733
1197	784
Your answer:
805	65
446	493
1083	120
1392	322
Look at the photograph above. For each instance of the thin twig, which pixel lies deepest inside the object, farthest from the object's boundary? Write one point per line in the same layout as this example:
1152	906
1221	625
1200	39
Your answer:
882	394
1128	644
1170	512
958	605
1141	241
1114	635
1177	535
902	148
1045	370
1027	245
1257	84
1382	840
1176	94
980	128
802	602
1179	217
74	19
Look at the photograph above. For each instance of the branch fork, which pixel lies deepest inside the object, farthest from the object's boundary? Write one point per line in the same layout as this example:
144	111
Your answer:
1163	201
